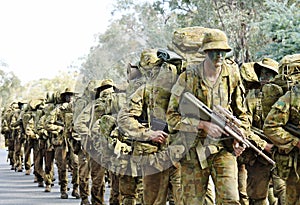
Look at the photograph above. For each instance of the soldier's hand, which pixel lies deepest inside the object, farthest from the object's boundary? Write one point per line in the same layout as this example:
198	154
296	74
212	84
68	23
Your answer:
268	148
298	144
211	129
159	137
237	148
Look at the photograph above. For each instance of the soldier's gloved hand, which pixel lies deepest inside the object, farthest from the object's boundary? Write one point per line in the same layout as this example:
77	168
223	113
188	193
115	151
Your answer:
237	148
211	129
159	136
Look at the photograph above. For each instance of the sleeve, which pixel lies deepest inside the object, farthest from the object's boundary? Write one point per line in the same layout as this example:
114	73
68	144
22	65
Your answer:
250	105
128	117
174	117
83	120
275	120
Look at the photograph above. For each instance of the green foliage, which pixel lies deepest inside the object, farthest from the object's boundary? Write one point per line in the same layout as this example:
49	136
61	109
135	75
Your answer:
135	27
10	88
280	28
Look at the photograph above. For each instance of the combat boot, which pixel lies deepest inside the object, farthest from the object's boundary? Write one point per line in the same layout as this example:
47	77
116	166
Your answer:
41	184
85	202
75	193
48	188
28	171
20	169
63	195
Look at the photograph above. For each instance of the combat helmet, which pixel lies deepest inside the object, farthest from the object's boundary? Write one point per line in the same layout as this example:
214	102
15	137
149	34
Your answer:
215	39
267	63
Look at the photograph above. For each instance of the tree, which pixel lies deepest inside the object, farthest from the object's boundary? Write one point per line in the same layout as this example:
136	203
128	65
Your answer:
10	88
279	30
138	26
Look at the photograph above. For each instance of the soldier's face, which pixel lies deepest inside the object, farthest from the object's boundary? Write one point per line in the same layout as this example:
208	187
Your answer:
266	75
216	57
69	98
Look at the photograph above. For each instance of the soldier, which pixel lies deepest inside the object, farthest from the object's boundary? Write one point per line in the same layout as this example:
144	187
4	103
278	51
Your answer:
258	169
45	141
59	123
214	82
30	118
6	130
18	132
140	121
93	108
83	155
284	114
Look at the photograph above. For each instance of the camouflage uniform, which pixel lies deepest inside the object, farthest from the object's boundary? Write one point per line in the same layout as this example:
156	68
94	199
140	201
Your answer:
207	158
30	119
87	166
90	159
148	102
259	170
59	123
18	132
286	110
45	141
6	130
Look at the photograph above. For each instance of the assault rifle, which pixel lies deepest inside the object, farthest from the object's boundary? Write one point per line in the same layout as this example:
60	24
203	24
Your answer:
224	119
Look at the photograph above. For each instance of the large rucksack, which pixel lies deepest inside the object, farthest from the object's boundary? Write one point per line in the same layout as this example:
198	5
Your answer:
288	76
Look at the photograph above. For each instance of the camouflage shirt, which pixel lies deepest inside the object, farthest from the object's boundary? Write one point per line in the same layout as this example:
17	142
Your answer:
227	92
285	110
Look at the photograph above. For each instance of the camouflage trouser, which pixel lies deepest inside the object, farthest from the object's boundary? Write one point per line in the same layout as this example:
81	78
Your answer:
222	167
258	181
293	186
74	164
242	180
98	186
61	162
279	188
49	166
84	174
115	197
30	144
130	188
39	160
156	186
18	152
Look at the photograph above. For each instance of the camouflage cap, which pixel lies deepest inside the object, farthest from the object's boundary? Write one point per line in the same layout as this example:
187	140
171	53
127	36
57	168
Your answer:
149	59
267	63
68	91
105	84
215	39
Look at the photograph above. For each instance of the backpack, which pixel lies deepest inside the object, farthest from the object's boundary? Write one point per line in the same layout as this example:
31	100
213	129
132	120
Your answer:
289	74
187	41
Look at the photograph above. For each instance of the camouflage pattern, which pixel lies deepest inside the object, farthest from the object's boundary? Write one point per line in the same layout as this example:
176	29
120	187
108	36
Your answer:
6	130
151	101
215	39
46	146
17	134
55	124
285	110
86	125
30	118
228	91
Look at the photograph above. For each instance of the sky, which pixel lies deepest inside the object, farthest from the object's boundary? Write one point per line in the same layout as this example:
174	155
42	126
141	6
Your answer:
38	38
